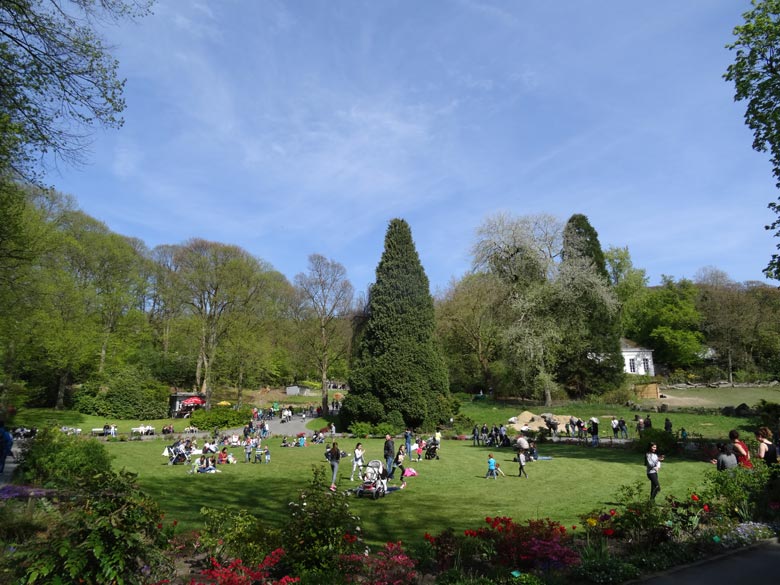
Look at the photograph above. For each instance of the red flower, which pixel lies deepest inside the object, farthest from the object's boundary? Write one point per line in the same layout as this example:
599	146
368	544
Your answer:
694	497
175	522
706	508
612	512
609	532
574	527
159	527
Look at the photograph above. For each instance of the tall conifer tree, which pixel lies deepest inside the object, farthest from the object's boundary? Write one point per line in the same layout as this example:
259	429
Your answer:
398	373
592	361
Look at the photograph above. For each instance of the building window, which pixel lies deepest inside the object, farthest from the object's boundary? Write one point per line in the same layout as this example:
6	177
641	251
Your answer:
632	366
646	365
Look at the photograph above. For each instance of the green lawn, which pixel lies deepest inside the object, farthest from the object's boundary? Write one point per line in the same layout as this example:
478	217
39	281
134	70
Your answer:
450	492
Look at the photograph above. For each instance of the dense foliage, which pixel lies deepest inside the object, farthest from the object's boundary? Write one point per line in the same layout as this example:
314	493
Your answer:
91	525
398	366
123	393
756	79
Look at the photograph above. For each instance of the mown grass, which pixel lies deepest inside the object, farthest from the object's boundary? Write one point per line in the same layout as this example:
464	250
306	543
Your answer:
450	492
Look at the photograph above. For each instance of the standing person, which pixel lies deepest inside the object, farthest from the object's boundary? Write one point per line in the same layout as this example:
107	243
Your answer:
740	450
6	444
334	456
475	435
623	428
766	448
668	425
615	427
357	462
332	430
594	432
420	445
389	455
521	462
653	464
483	433
399	460
491	470
248	446
648	422
408	440
640	426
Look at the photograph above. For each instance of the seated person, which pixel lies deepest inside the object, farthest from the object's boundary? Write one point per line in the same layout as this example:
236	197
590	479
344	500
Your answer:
203	464
209	447
223	456
286	443
234	441
301	441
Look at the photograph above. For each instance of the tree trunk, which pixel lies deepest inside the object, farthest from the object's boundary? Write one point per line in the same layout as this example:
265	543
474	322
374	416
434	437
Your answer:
240	385
63	385
731	372
103	351
324	391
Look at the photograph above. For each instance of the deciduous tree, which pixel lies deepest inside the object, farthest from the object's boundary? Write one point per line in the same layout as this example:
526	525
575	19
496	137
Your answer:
756	77
57	77
325	296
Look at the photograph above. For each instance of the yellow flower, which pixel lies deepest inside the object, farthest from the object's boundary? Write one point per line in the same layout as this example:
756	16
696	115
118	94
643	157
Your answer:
592	521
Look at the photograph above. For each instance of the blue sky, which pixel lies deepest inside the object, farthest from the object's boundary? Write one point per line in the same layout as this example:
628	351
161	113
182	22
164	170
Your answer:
300	127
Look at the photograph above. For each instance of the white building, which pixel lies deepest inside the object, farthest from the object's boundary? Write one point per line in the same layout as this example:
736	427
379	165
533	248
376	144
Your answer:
636	360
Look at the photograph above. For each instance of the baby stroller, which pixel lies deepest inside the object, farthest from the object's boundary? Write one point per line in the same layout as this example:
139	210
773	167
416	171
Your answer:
374	480
177	454
432	450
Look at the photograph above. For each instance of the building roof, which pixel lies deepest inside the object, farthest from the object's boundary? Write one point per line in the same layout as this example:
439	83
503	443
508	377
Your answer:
628	345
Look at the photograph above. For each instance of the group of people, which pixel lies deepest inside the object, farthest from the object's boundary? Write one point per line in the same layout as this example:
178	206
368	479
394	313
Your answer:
731	454
735	452
496	436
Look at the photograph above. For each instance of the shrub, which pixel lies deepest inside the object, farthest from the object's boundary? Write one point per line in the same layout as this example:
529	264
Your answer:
389	566
540	545
223	418
321	528
57	460
360	429
123	392
237	573
229	535
395	420
640	522
383	429
667	442
741	493
110	533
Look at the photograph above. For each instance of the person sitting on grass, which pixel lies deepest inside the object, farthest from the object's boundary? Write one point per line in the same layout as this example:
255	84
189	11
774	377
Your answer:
222	458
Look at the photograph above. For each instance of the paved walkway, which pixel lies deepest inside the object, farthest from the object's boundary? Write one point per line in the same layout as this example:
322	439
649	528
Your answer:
758	564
